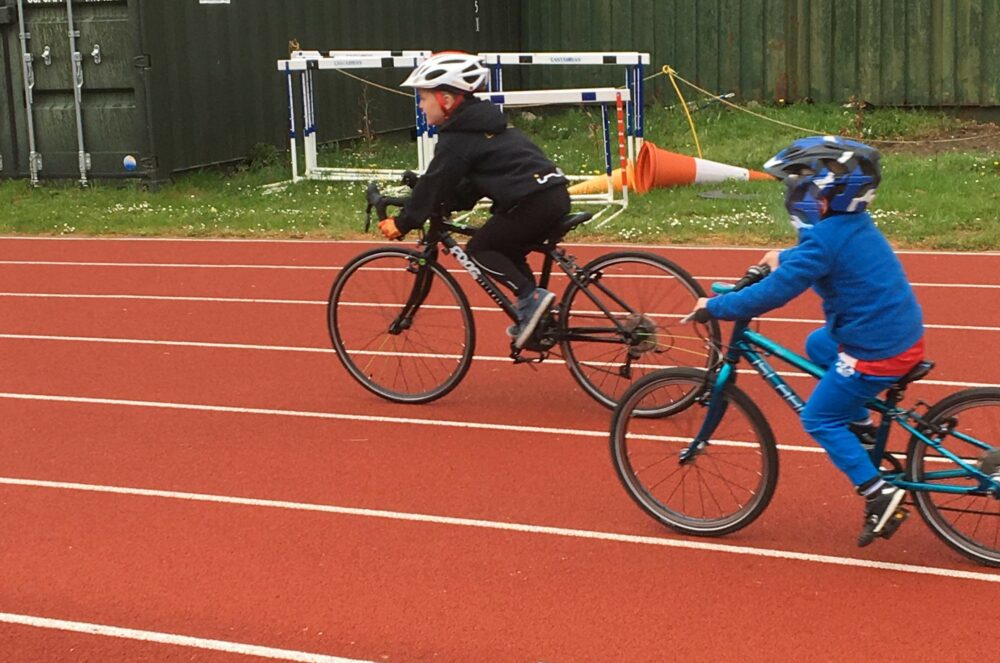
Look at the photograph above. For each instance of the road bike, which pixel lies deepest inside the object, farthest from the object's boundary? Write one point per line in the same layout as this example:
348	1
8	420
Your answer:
404	328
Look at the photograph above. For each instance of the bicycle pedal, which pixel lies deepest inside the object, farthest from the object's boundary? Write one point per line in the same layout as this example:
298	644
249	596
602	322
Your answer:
897	519
519	359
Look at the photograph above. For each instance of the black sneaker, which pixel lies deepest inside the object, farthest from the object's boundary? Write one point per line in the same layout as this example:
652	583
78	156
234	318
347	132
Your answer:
530	310
865	432
882	514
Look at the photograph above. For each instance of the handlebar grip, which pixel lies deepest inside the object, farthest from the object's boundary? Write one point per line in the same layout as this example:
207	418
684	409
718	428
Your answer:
701	315
754	274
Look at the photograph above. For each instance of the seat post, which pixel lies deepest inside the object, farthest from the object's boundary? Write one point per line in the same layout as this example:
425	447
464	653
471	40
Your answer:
543	282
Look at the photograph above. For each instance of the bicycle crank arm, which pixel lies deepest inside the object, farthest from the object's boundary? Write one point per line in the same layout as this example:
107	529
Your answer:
695	448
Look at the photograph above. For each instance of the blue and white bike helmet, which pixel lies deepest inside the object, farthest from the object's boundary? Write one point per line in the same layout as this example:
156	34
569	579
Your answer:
845	173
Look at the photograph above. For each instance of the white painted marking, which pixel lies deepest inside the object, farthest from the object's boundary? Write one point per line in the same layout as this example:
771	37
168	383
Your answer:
374	243
162	298
513	527
551	361
334	268
164	265
173	639
477	309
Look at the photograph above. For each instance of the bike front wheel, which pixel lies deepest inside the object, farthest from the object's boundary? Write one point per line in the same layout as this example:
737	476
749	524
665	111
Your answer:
401	325
626	323
968	521
719	487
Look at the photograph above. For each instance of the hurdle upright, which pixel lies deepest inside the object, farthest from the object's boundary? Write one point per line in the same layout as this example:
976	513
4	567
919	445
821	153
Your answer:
303	64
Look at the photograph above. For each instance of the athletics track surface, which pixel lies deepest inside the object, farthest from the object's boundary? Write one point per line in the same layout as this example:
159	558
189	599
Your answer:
188	474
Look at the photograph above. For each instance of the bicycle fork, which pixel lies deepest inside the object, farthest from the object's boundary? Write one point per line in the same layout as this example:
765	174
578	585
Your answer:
418	294
717	406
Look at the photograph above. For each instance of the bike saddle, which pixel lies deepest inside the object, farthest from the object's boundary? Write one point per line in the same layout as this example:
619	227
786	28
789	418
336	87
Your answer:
918	372
568	223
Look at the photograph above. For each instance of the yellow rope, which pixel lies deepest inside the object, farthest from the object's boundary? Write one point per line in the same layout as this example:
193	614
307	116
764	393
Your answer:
669	71
673	74
381	87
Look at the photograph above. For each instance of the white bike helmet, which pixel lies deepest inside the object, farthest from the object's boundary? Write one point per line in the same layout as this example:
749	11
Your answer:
462	71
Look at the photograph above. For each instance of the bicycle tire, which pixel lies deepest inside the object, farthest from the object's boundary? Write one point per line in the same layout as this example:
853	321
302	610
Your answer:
659	293
977	412
738	467
416	364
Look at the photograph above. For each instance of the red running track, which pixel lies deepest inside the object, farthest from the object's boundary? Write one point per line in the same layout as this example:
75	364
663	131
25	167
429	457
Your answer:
213	486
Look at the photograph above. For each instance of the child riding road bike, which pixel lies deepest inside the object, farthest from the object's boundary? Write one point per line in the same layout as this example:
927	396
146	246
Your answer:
478	156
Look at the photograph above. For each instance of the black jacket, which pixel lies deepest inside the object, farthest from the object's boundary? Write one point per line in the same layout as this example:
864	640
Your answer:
478	156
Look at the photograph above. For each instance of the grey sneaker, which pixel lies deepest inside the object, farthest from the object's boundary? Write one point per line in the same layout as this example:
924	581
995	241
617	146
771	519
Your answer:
530	310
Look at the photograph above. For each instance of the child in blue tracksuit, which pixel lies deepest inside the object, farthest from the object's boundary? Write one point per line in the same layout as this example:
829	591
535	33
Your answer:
874	326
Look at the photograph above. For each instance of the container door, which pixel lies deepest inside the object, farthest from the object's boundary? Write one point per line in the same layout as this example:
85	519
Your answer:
83	110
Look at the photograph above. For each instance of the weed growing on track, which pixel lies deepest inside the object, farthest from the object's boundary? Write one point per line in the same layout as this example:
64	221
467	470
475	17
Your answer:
934	194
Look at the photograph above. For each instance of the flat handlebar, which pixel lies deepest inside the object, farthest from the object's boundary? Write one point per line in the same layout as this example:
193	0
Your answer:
754	274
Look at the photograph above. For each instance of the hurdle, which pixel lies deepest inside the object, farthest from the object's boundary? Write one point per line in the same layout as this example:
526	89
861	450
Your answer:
631	104
633	62
303	64
627	100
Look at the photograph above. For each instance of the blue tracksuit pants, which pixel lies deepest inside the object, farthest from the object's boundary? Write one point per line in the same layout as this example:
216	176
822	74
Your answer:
837	400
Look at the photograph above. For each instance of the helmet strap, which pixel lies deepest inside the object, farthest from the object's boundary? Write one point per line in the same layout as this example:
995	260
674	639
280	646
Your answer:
444	109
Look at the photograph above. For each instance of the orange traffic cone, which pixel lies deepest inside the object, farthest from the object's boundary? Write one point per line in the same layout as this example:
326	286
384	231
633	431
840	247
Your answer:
599	184
656	167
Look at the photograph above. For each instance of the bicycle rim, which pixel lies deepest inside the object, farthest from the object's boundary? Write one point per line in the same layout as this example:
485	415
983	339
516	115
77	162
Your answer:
726	485
656	294
969	523
403	353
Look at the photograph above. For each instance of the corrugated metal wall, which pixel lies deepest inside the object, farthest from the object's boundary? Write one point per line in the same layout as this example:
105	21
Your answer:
200	51
889	52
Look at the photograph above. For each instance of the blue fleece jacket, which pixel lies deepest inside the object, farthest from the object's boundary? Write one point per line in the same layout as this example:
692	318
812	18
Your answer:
870	309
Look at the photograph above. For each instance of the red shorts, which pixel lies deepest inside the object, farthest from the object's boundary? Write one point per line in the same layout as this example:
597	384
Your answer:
893	366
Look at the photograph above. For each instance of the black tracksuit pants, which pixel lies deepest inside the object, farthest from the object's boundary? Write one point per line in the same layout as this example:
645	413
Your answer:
499	246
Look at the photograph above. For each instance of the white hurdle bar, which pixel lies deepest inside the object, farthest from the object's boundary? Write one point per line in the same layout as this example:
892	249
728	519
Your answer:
303	63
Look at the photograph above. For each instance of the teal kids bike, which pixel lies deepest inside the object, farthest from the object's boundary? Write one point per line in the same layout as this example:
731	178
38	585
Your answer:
707	464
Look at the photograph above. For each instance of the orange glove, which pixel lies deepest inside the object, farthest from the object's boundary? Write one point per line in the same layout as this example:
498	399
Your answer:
389	229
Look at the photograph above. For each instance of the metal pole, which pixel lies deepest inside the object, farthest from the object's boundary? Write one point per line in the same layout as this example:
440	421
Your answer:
291	125
34	158
77	57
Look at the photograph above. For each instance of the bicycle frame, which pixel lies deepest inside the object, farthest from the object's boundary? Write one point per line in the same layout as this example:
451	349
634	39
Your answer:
754	346
440	232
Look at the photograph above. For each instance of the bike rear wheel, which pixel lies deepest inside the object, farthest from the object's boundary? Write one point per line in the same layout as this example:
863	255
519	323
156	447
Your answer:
968	522
401	325
724	486
647	296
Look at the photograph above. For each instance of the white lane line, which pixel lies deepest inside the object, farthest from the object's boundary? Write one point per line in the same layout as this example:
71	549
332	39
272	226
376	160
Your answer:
174	639
512	527
374	243
551	361
307	302
161	298
332	268
165	265
337	416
